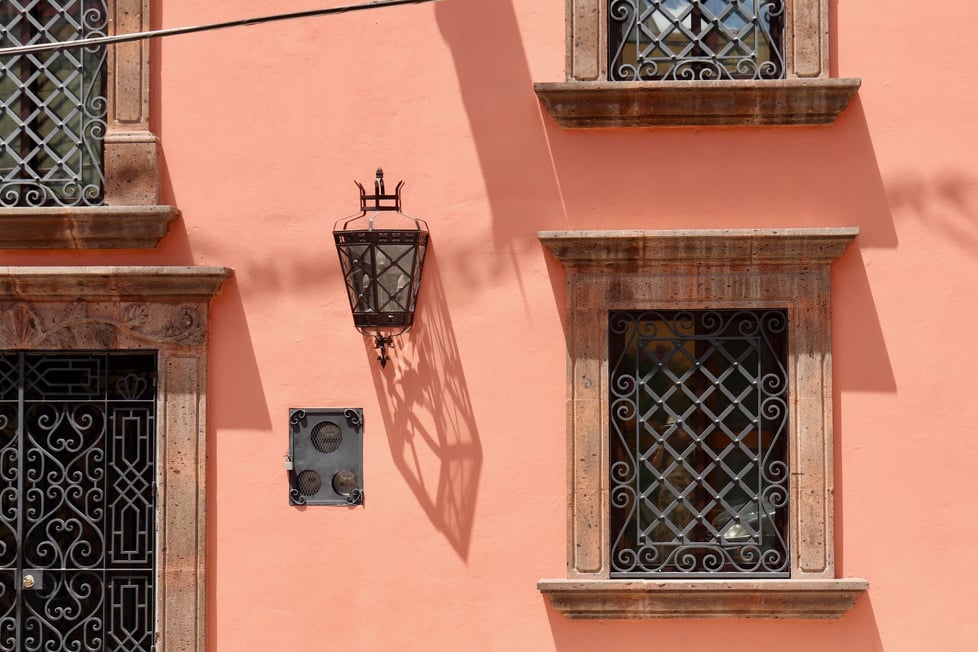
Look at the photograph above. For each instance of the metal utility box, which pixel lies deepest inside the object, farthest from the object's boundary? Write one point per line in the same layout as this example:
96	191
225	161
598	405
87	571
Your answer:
325	460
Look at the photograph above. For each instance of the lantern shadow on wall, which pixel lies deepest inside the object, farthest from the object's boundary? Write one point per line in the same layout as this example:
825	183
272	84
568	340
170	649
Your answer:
429	419
382	253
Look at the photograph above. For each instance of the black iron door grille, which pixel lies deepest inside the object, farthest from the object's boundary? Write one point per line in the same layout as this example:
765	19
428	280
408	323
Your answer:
77	501
698	404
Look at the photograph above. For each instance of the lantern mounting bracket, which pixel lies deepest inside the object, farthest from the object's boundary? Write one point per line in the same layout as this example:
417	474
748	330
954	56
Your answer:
382	342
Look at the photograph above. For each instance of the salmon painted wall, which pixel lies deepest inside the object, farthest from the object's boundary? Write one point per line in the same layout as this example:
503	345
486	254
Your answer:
264	129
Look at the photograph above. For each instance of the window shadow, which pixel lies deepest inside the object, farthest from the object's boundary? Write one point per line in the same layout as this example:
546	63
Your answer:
510	141
860	360
428	416
857	631
241	403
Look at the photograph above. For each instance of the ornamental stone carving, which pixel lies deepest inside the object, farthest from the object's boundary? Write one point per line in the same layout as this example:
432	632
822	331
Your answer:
83	324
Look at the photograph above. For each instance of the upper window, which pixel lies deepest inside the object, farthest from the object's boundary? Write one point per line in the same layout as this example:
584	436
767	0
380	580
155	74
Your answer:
636	63
689	39
79	166
700	425
52	104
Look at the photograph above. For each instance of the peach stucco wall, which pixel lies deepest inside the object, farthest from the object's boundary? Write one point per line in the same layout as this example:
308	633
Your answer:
263	130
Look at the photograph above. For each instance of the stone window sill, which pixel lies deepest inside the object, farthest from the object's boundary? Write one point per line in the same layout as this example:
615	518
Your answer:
88	227
637	599
590	104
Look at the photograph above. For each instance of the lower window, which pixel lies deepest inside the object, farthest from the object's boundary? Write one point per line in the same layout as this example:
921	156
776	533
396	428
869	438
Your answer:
698	443
700	469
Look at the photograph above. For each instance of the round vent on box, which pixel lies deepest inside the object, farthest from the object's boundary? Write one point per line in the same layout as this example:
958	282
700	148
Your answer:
345	482
326	437
308	483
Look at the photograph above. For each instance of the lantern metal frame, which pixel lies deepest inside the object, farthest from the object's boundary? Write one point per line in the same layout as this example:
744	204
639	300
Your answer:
382	254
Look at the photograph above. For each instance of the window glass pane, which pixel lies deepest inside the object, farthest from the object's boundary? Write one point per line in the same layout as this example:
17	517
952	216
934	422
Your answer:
695	39
698	443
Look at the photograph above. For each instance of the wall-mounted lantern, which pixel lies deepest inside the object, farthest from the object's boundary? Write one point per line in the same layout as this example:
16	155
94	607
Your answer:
381	252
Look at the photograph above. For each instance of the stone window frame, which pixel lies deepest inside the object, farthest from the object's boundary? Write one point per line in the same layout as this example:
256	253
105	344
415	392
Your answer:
806	96
165	309
132	216
700	269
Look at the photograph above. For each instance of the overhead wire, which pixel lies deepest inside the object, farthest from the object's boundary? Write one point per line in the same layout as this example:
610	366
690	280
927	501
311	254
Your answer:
175	31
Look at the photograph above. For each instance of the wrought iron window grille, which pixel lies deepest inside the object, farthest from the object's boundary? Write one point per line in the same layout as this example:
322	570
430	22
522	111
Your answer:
698	452
695	39
52	104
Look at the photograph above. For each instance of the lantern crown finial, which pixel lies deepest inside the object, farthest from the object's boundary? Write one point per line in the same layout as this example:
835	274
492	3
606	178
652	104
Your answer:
381	200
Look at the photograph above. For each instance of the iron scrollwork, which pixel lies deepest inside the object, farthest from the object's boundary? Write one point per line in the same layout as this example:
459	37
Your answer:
354	417
77	514
698	404
695	39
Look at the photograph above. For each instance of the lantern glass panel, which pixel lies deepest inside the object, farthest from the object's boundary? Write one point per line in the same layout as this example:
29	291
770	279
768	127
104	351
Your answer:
383	273
394	264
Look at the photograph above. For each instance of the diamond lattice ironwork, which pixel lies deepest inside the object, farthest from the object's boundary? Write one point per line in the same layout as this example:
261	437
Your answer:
52	104
699	456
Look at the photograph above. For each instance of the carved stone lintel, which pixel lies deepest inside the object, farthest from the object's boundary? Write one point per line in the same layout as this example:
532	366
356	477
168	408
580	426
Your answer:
111	283
106	307
635	251
92	325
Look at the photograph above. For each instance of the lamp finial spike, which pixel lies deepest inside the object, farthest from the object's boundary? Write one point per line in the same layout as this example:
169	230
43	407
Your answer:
379	183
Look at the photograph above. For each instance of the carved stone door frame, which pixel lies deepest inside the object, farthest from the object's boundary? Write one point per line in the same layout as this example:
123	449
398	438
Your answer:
160	308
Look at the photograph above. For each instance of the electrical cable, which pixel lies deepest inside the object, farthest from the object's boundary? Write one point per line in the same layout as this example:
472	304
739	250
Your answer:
175	31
